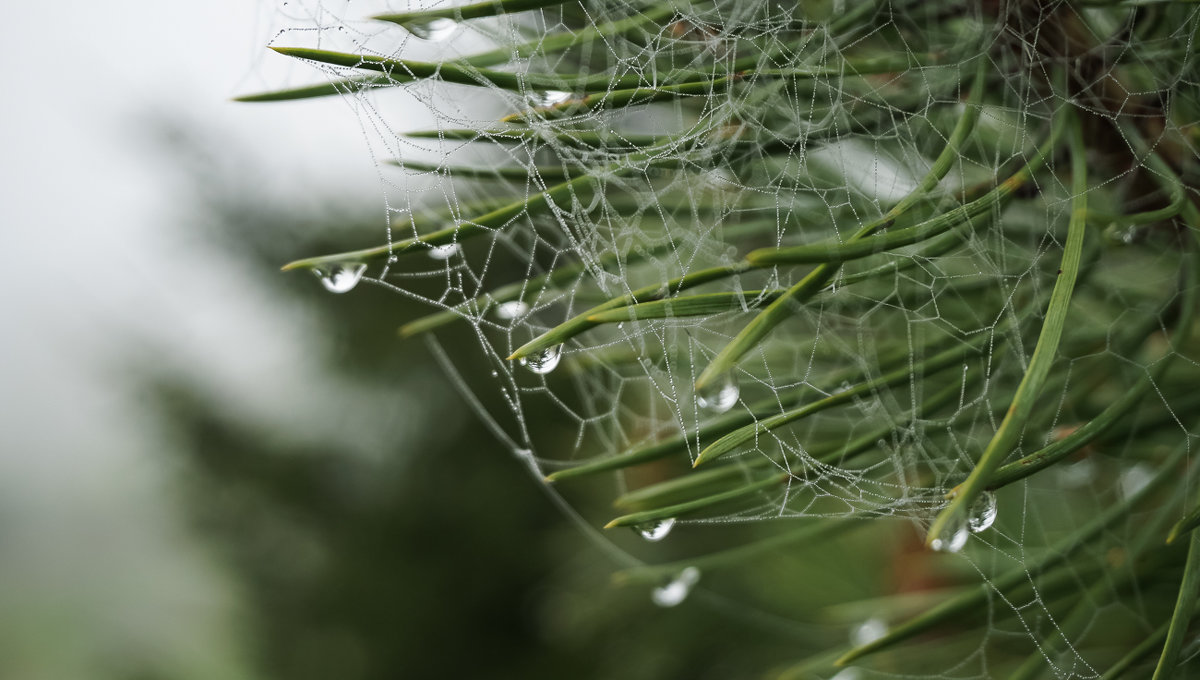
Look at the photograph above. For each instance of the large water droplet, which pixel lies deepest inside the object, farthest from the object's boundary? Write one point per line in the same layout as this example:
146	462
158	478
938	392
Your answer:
432	29
444	252
953	537
848	674
868	631
720	395
983	513
513	309
340	277
656	531
544	361
677	590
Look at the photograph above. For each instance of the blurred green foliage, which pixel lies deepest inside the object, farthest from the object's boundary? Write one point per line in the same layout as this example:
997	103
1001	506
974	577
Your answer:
439	558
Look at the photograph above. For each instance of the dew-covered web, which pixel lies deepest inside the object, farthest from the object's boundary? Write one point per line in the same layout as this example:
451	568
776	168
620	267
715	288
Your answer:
850	222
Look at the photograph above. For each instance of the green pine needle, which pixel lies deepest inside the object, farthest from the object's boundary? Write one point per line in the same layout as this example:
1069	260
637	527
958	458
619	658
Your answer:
1044	353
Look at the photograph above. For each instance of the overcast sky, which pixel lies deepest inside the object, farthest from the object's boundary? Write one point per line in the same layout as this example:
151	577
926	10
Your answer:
101	269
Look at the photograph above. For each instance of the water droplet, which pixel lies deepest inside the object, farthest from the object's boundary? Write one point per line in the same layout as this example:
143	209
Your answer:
513	309
656	531
847	674
340	277
544	361
677	590
432	29
551	97
1135	479
720	395
843	387
953	538
444	252
983	513
868	631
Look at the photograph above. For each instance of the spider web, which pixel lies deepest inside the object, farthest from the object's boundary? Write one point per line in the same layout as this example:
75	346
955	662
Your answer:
810	123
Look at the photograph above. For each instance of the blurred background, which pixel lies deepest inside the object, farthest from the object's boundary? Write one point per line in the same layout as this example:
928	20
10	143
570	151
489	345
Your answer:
211	469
